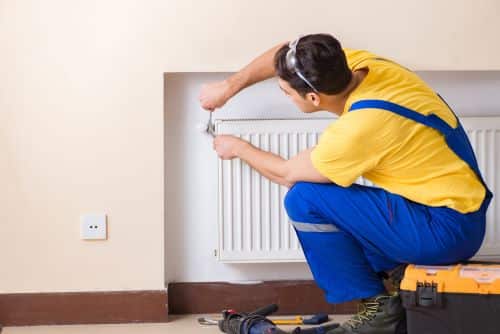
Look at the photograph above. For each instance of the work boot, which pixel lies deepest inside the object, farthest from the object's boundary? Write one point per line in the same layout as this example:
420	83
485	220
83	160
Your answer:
394	277
382	314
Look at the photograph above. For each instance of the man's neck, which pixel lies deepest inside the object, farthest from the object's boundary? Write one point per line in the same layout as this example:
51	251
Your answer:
336	103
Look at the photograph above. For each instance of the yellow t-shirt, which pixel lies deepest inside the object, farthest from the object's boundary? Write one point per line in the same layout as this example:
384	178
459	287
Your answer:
397	154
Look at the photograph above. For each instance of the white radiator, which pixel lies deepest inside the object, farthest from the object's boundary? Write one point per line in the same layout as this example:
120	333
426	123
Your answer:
253	224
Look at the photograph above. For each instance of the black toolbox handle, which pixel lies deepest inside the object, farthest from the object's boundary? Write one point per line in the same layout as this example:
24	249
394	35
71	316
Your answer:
427	295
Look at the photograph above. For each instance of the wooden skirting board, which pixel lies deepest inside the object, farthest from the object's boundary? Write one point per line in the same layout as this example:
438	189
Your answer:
293	297
26	309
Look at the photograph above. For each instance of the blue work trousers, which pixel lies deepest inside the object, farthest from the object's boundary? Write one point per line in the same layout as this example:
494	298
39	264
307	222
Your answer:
349	234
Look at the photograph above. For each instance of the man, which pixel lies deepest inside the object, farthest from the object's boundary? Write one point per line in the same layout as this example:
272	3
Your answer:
430	202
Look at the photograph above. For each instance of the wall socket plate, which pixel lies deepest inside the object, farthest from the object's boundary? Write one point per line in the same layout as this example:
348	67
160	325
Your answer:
93	227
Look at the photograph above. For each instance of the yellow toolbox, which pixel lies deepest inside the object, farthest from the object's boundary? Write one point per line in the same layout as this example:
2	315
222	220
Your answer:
455	299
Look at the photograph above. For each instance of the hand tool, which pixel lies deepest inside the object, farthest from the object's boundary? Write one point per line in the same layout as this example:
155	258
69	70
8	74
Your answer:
314	320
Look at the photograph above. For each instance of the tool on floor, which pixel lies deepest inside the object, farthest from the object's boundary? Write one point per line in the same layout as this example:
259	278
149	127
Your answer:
207	321
292	321
316	319
262	311
256	323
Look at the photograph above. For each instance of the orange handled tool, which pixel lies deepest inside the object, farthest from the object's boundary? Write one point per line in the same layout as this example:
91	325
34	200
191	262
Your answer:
291	321
314	320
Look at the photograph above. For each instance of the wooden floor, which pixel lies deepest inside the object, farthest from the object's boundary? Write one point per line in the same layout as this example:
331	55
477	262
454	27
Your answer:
186	324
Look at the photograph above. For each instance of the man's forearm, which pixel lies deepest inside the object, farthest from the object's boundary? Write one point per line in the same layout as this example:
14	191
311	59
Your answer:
261	68
285	172
268	164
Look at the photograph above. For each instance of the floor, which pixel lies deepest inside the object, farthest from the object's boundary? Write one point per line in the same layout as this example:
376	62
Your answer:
186	324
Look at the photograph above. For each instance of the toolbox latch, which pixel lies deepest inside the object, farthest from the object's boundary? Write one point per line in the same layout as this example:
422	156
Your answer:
427	295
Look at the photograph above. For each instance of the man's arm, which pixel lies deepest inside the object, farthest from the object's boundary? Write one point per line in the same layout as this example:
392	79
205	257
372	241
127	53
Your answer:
260	69
215	95
272	166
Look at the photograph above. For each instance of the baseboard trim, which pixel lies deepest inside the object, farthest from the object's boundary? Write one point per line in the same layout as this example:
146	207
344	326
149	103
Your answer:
293	297
27	309
107	307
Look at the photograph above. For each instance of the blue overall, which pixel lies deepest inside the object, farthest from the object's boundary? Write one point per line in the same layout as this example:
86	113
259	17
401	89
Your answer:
349	234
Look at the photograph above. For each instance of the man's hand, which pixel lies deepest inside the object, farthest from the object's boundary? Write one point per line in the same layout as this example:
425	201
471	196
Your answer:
228	147
214	95
272	166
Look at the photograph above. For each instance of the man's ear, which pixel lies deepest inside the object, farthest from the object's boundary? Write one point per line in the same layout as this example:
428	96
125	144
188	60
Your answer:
313	98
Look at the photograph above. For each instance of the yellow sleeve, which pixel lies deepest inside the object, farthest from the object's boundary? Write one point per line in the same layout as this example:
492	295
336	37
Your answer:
355	57
343	153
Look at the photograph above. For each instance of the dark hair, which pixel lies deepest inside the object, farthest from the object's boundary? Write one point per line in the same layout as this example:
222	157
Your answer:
321	60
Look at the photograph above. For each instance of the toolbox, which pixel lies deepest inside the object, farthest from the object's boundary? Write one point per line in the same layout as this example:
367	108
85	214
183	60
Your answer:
455	299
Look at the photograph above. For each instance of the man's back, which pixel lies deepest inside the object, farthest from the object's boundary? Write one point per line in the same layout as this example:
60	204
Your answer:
396	153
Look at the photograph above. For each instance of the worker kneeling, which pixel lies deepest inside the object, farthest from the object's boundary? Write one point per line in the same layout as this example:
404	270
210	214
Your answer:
430	200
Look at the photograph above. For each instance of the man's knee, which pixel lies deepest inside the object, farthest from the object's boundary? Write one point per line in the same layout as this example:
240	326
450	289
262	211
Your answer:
297	201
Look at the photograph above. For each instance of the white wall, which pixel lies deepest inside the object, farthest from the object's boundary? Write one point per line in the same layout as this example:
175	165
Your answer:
191	165
469	93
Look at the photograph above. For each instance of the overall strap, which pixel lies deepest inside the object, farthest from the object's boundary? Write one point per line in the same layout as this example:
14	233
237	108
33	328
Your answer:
431	120
456	138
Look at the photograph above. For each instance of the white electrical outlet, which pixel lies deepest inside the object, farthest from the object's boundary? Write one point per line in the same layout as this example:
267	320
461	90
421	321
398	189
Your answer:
93	227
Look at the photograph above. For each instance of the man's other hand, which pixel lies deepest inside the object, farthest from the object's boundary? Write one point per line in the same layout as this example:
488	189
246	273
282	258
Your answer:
228	147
